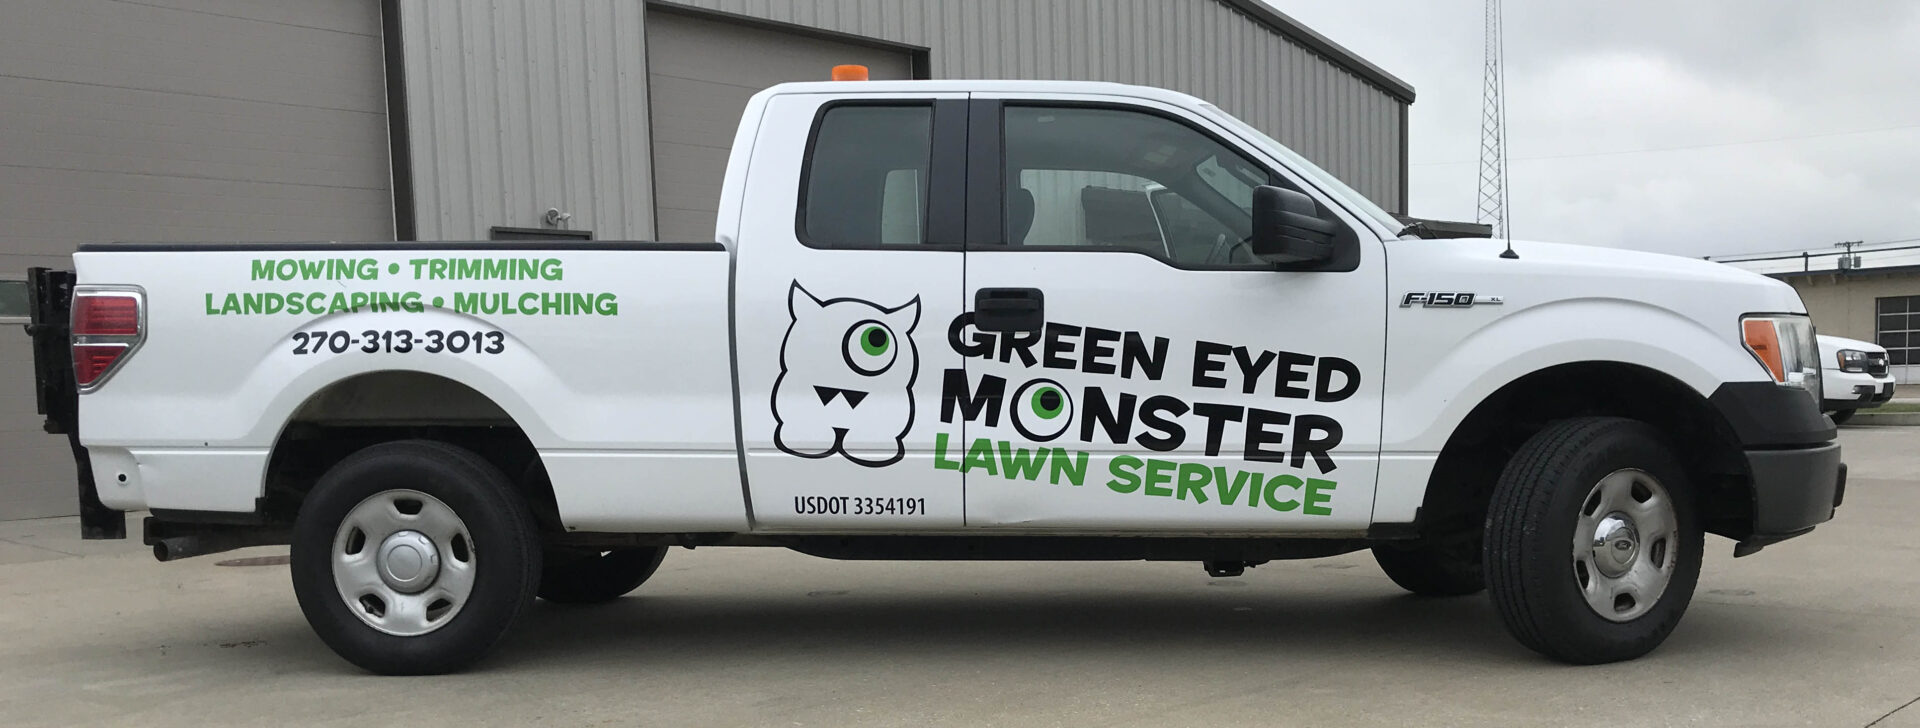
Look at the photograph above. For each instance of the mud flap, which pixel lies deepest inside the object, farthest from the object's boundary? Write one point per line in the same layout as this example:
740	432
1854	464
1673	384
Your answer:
50	303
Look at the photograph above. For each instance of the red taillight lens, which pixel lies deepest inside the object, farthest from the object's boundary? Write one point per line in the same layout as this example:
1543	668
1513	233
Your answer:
109	322
92	360
106	315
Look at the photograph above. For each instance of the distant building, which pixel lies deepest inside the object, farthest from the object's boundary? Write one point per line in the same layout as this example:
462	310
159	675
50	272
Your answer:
1871	294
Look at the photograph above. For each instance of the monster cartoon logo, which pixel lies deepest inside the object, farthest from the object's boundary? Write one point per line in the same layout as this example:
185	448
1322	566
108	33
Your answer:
847	368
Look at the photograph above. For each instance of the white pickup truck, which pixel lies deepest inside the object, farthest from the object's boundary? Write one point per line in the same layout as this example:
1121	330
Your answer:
947	320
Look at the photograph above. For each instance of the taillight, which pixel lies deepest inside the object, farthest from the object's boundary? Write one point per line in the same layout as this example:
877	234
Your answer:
109	323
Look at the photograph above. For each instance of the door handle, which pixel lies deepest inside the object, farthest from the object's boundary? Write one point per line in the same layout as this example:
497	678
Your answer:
1008	310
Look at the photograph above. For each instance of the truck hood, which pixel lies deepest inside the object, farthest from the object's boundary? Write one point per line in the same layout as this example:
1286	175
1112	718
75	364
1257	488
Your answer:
1627	273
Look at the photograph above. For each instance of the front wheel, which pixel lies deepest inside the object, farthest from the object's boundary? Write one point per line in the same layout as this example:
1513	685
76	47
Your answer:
1840	417
414	557
1592	545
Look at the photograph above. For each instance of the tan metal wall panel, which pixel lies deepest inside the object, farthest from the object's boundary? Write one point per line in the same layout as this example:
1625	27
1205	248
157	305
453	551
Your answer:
1202	47
701	71
175	120
517	106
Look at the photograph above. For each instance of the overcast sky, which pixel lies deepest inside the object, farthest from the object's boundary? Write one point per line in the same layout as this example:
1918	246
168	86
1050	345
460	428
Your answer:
1800	121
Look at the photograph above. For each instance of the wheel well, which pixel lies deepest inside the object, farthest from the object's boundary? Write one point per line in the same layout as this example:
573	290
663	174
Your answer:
1468	467
355	413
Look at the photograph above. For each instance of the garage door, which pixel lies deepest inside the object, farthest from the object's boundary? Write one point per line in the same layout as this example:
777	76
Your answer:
702	71
175	120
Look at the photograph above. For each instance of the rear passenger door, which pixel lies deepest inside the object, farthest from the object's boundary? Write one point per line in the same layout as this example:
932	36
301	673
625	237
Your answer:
849	267
1130	366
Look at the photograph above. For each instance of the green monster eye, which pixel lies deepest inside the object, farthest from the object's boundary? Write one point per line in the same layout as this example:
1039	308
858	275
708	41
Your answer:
1048	403
874	341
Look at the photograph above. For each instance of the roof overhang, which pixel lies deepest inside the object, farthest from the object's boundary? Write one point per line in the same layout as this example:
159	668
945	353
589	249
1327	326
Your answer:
1299	33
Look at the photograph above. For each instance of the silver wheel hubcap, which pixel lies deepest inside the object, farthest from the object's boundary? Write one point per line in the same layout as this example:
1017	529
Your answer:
403	562
1623	544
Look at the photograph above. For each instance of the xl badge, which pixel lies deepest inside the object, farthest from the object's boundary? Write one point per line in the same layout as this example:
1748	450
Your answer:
1440	299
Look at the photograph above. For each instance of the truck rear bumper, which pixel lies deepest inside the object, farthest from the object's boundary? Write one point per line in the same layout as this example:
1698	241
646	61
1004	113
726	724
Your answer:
1793	491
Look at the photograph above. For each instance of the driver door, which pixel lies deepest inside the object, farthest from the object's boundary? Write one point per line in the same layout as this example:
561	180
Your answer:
1166	381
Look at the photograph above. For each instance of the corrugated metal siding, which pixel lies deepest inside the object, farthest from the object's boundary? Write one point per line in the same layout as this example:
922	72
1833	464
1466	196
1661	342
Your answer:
1202	47
517	106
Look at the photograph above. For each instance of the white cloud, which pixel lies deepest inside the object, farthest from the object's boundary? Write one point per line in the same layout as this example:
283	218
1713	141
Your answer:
1589	84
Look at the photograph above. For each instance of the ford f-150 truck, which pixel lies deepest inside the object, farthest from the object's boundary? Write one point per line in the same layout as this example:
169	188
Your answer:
947	320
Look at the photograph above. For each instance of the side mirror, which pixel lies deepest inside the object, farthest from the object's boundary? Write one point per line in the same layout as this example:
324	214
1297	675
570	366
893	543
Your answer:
1288	229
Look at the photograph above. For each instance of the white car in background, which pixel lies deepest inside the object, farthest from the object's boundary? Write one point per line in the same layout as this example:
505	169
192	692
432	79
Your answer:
1854	375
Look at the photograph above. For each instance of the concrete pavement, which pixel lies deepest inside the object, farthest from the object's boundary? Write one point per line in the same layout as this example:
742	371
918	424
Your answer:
1822	630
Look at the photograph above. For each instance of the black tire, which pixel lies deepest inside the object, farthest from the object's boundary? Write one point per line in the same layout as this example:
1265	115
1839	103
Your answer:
505	553
1434	568
595	577
1530	568
1840	417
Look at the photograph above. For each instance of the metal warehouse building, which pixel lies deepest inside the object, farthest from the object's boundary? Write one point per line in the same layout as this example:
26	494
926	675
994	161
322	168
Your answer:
1865	292
267	120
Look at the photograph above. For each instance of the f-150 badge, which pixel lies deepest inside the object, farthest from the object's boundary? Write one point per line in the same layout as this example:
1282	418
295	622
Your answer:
847	368
1442	299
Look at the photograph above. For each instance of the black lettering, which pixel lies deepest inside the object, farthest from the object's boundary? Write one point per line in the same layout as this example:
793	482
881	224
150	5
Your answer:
1151	412
1315	435
1290	372
1323	390
1058	346
954	392
1096	411
1204	364
1258	437
1134	353
1100	345
1021	342
1218	415
1251	369
979	346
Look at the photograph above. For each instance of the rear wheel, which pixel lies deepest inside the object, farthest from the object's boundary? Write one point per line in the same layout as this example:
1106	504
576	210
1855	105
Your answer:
1592	544
593	577
414	557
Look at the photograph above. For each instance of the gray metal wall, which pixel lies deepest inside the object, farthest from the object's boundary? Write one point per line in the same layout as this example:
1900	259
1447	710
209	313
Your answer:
1202	47
174	120
515	106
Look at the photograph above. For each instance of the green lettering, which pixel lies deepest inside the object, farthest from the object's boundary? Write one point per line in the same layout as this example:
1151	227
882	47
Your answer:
231	307
262	270
1229	493
1157	473
980	457
211	311
1193	479
526	309
550	269
1075	468
339	304
417	263
1124	479
606	304
940	460
1020	463
1273	486
1318	497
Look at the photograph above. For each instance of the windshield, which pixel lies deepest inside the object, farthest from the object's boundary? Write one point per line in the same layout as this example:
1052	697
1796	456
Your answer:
1312	171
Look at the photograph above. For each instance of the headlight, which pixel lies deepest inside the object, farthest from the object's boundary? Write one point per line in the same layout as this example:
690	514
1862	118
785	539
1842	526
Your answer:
1853	360
1784	344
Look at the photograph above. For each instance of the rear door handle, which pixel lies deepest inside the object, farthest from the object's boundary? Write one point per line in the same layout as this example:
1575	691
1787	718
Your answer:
1008	310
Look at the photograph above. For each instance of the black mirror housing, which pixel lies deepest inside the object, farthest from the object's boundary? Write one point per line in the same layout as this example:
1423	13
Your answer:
1288	229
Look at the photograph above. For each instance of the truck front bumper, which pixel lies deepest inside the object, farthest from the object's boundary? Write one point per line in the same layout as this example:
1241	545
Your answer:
1797	476
1793	491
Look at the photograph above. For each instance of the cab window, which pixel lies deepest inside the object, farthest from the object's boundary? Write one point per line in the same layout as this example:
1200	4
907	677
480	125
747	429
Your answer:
865	183
1110	178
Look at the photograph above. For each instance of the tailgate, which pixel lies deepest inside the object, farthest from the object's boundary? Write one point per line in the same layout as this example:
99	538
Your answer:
50	303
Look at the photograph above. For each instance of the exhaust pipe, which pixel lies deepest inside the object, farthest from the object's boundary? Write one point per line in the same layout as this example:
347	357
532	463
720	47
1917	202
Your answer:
173	541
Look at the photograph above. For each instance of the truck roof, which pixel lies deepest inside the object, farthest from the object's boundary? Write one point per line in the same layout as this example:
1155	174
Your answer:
984	85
